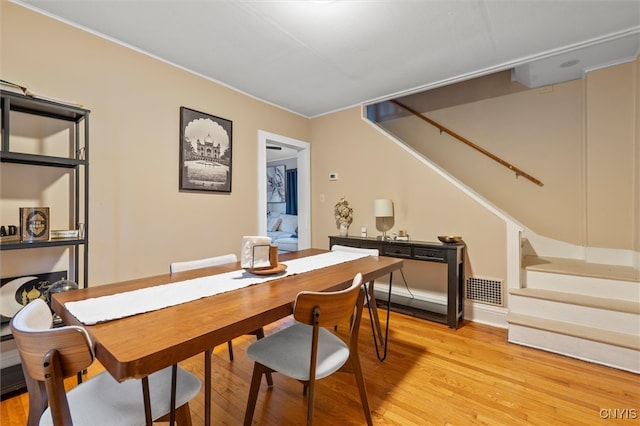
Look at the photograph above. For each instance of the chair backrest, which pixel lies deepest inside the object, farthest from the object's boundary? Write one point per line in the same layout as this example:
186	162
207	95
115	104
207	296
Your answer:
327	309
34	337
49	355
370	252
202	263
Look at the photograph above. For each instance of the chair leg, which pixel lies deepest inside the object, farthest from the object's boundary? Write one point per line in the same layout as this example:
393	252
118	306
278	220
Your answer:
38	401
357	371
230	345
183	415
207	386
174	385
310	400
259	335
146	397
256	378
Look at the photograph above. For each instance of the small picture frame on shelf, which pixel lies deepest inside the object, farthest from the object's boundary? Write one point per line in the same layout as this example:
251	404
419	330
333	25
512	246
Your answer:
34	224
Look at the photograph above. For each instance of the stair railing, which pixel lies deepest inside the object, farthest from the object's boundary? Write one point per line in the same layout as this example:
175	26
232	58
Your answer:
516	170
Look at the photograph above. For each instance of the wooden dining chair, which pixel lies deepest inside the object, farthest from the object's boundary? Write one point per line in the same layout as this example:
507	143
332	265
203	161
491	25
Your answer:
309	350
371	299
49	355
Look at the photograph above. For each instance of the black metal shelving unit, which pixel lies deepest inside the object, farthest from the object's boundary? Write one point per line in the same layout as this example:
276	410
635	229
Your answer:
77	162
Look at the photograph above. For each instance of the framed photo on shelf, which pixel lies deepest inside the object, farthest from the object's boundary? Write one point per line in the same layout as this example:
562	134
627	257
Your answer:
16	292
276	184
34	224
205	152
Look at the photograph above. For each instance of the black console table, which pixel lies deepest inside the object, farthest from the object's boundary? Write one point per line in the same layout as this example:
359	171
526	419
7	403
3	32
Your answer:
450	253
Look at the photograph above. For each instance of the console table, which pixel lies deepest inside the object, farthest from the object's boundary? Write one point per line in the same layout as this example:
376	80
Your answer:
450	253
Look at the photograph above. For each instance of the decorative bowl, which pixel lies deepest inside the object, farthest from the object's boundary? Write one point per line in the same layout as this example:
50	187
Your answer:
450	238
268	271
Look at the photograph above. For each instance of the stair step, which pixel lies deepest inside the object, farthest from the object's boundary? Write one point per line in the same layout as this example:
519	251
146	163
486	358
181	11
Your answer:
589	286
579	309
621	316
609	304
580	268
623	340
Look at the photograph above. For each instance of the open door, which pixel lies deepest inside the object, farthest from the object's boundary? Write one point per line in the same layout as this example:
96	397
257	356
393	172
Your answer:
304	183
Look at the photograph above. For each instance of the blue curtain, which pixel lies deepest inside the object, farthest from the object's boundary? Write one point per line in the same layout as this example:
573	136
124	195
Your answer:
292	191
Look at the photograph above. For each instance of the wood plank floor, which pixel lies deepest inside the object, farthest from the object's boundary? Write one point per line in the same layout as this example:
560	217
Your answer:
432	376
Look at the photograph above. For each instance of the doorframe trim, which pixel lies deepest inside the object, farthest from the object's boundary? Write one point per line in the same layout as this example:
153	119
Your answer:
304	183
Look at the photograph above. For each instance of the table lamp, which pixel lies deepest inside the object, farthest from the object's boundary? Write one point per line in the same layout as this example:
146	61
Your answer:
383	209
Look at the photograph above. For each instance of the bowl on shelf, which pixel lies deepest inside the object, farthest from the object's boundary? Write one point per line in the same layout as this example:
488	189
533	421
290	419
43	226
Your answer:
450	238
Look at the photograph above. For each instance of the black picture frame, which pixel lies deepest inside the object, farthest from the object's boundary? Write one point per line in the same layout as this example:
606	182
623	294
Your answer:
18	291
205	152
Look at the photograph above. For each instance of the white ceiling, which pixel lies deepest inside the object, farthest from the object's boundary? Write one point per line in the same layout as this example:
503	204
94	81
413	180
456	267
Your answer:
315	57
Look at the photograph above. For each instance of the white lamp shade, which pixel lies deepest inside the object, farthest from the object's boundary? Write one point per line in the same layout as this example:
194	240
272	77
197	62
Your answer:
383	208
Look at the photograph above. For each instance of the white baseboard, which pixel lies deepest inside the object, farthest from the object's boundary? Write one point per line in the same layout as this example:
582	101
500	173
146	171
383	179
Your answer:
495	316
478	312
575	347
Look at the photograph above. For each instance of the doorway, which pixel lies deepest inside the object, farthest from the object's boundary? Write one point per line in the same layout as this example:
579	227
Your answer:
303	157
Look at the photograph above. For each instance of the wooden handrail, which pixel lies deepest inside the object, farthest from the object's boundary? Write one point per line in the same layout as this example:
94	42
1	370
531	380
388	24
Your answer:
442	128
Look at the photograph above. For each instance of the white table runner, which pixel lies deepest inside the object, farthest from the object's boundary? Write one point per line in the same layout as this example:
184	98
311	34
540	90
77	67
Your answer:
121	305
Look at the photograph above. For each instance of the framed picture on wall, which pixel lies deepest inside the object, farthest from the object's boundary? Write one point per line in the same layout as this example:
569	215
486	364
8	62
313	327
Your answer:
205	152
275	184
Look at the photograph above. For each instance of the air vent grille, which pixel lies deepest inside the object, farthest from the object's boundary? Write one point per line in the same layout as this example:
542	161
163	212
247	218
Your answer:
485	290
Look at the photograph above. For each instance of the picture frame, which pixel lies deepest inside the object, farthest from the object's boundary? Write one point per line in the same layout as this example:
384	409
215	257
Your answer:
276	189
34	224
205	152
16	292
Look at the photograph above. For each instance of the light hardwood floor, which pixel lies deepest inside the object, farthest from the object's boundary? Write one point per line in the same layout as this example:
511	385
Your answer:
432	376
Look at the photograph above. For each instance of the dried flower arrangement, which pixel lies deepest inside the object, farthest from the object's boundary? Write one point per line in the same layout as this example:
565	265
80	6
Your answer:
343	213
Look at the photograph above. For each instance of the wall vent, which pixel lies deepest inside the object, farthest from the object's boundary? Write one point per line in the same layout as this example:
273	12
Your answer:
485	290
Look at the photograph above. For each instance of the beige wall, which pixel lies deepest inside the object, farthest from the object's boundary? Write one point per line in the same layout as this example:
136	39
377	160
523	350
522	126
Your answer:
371	166
139	220
580	138
610	161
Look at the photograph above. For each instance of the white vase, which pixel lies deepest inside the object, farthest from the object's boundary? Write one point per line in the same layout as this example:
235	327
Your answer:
344	229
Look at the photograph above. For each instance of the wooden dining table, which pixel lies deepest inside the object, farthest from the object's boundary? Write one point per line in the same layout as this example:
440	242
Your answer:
137	346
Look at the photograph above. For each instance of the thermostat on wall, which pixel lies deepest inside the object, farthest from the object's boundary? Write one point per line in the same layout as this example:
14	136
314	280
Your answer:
333	176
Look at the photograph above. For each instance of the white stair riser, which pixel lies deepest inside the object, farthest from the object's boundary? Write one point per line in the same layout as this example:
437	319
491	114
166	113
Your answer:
598	287
620	322
600	353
